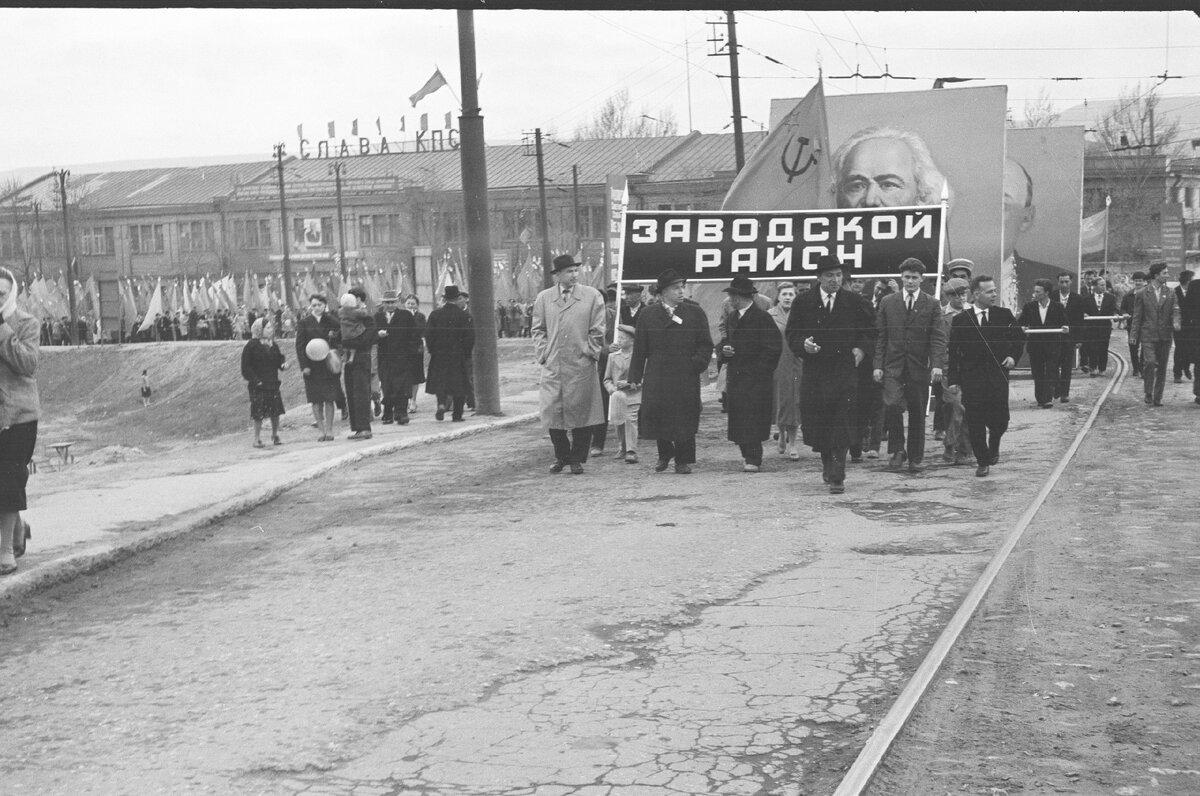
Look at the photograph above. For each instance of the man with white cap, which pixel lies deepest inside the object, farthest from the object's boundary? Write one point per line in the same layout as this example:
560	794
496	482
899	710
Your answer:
395	353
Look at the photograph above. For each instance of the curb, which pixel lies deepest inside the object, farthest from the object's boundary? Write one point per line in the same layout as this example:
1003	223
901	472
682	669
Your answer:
98	557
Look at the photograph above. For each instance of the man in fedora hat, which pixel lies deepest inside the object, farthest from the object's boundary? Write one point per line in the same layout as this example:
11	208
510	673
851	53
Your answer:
831	329
450	338
750	351
396	350
568	336
671	348
631	306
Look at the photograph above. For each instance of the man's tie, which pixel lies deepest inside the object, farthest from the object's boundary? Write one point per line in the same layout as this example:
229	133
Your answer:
829	302
982	317
910	302
566	293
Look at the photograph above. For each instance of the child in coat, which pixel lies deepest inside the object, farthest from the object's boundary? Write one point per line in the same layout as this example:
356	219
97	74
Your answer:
625	400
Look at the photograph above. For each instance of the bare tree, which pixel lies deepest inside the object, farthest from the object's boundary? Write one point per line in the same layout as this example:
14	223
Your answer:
616	118
1138	146
1040	111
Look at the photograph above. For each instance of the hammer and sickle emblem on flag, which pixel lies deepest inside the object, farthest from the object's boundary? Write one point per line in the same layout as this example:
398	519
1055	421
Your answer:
795	170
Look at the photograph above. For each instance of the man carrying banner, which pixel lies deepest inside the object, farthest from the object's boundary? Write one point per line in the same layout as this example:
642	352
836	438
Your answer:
985	344
671	348
831	329
910	351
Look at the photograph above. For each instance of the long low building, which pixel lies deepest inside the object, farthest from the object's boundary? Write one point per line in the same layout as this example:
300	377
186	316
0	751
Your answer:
399	210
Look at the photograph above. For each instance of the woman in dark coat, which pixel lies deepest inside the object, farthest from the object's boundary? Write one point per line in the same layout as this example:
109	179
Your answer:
261	362
321	385
671	348
417	368
751	350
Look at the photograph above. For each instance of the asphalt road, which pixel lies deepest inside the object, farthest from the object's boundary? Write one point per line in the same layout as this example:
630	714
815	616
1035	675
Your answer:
455	620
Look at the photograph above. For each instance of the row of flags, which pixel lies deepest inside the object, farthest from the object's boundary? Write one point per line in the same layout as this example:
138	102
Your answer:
435	82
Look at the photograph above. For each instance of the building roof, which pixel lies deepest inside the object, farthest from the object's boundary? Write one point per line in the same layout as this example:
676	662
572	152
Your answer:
659	159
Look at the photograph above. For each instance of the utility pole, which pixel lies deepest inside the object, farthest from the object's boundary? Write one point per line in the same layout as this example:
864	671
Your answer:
736	92
475	206
41	243
72	332
543	225
284	231
575	207
20	243
337	179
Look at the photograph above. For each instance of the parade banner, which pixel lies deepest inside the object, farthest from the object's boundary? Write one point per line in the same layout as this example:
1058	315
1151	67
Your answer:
715	246
1043	205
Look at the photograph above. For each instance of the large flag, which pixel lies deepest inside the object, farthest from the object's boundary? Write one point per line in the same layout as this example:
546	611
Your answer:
93	294
431	85
127	302
790	169
155	307
251	298
1093	233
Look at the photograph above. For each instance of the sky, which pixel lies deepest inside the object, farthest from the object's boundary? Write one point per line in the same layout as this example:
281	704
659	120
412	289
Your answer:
89	86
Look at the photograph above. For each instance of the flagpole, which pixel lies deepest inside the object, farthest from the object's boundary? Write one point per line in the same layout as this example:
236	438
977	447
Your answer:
1107	202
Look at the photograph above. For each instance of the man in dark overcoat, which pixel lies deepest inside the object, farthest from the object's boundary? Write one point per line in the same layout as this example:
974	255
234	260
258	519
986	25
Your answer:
831	329
750	351
395	354
671	348
985	344
450	338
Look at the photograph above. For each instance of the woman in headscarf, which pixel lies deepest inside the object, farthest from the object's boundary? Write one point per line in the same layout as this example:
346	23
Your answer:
261	362
19	335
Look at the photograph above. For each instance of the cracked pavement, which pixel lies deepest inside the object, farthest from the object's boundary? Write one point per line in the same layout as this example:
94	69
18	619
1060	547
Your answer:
453	620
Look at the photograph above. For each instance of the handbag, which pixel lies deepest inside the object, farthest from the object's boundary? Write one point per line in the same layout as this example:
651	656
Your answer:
334	363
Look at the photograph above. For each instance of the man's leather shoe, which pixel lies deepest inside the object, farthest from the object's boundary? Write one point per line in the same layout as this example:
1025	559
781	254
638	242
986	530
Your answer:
961	458
897	460
576	468
558	466
981	471
683	469
1158	403
837	488
995	459
749	468
1064	399
387	421
440	414
915	467
402	421
662	465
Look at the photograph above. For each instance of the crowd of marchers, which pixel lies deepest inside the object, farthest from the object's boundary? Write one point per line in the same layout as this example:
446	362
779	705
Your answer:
842	367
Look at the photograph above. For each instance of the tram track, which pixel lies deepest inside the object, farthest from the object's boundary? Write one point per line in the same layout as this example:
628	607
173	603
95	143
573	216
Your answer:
868	762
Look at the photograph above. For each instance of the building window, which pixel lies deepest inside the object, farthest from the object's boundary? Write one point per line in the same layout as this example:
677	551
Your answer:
52	243
383	230
313	233
196	236
251	234
146	239
97	241
8	245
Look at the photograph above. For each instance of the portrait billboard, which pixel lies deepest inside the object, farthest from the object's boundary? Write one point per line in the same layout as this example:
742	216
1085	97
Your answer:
1043	205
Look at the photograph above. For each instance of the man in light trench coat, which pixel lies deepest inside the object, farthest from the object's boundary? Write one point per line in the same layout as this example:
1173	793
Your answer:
568	335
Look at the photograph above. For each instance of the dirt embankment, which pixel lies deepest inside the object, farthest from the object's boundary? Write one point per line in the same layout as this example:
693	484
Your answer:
90	394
